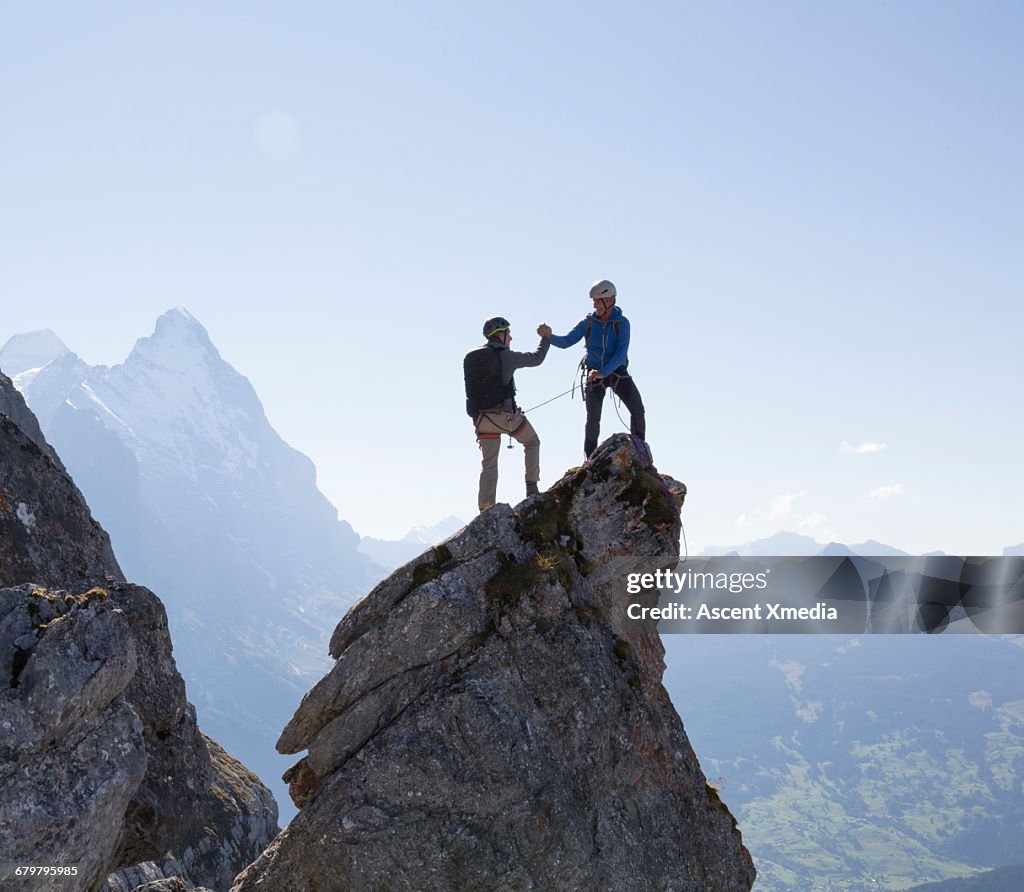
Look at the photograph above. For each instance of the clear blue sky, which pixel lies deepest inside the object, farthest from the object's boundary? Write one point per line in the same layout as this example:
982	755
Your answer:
813	213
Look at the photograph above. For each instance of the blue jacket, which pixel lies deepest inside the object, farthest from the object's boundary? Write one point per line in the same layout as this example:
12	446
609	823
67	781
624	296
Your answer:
606	349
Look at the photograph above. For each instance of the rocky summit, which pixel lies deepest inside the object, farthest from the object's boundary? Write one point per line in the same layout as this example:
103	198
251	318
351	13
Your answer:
494	721
102	765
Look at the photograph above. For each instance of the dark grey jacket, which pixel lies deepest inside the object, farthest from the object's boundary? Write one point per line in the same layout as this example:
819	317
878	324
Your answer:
511	360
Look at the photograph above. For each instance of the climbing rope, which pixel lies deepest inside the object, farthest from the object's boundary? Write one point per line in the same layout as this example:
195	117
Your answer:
570	390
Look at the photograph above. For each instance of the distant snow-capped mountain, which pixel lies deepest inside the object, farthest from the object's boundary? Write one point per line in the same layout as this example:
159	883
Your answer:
209	507
391	554
25	354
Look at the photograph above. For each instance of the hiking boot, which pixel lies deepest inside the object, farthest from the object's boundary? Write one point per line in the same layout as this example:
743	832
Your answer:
531	488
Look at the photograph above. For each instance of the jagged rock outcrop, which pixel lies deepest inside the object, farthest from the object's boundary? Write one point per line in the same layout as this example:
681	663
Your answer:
102	764
13	406
242	823
494	721
72	753
47	534
153	876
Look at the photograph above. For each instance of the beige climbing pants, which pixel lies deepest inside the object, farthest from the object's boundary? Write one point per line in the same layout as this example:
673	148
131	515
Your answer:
489	429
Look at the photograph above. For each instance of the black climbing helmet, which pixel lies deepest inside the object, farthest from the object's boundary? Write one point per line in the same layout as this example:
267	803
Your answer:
493	326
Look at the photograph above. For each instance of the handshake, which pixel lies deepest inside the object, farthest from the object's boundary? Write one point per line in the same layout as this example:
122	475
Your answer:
544	330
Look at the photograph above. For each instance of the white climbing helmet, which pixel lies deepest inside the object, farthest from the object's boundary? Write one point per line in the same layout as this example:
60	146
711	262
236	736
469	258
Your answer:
603	289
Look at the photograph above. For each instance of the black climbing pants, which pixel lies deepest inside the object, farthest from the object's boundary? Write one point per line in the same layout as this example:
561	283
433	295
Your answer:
626	390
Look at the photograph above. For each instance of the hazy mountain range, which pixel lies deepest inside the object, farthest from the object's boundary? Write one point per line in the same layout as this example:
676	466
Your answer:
786	543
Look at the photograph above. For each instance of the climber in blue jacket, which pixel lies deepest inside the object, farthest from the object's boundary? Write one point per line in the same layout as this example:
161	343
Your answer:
606	336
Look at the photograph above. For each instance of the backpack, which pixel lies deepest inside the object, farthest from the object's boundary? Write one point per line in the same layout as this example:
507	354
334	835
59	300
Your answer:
484	388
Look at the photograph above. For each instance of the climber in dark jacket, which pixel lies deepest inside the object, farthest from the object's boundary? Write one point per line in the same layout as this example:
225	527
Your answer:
606	334
491	403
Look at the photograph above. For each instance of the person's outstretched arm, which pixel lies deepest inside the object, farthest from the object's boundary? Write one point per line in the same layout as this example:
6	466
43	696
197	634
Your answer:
567	340
525	360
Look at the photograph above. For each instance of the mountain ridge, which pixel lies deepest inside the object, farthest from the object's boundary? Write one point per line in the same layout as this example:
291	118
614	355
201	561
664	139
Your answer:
206	503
